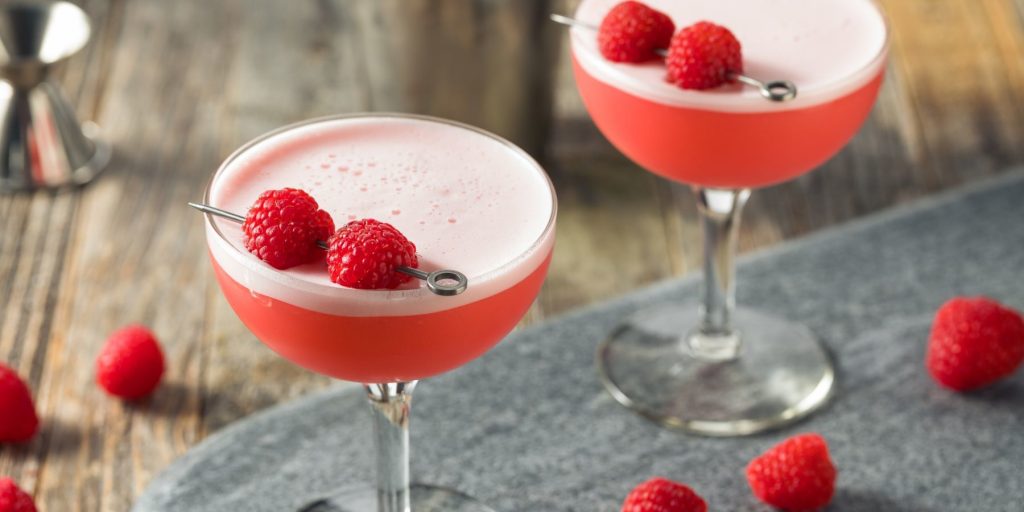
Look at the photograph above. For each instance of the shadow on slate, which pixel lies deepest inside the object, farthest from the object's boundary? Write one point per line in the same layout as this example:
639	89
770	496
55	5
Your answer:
528	427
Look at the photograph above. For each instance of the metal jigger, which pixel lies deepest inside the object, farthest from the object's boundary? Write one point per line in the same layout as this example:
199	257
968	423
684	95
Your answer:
43	144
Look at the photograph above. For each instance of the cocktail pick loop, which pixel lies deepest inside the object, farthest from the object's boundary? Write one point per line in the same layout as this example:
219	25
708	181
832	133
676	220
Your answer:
440	282
774	90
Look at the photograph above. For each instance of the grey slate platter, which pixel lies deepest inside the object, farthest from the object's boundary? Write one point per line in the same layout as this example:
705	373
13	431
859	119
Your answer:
528	427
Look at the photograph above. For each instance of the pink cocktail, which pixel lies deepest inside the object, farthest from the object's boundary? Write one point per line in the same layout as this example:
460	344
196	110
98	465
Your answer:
407	347
469	200
712	369
726	149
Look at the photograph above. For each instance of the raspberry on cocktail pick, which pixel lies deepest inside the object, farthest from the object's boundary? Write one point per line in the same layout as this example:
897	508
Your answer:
283	226
364	254
773	90
704	56
634	32
440	282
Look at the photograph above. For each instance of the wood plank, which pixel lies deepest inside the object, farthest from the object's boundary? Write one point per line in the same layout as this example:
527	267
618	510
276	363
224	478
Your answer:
128	263
486	63
33	247
953	55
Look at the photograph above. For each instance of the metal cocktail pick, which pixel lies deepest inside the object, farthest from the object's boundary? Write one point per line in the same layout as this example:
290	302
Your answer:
440	282
775	90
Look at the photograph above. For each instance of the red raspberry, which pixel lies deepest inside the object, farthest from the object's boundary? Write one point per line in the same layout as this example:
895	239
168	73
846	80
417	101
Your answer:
283	226
795	475
632	31
20	422
663	495
364	254
974	342
13	499
703	56
131	363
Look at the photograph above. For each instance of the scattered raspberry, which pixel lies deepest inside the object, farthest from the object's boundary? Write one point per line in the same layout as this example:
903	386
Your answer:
703	56
663	495
974	342
13	499
364	254
20	422
795	475
632	31
131	363
283	226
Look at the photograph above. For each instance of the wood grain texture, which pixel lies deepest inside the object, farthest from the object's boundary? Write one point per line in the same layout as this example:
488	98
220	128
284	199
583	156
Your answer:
177	86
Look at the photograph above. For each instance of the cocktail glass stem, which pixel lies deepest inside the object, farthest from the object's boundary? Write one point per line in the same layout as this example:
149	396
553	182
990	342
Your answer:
390	403
715	338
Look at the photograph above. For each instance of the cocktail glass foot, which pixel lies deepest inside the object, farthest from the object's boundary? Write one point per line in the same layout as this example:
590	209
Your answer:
659	365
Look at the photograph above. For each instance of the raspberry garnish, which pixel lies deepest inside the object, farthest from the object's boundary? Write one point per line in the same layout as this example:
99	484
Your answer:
795	475
974	342
131	363
13	499
703	56
283	226
632	31
364	254
663	495
20	422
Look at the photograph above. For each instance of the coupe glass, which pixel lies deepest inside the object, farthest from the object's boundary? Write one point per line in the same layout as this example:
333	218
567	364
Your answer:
712	368
387	353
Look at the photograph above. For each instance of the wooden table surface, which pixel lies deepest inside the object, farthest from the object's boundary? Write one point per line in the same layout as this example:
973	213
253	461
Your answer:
176	88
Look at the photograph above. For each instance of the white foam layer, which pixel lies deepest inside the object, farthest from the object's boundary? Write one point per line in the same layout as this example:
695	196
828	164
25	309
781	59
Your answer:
828	48
469	201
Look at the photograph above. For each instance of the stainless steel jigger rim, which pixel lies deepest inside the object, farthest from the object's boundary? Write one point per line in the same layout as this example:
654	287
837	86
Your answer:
16	61
773	90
